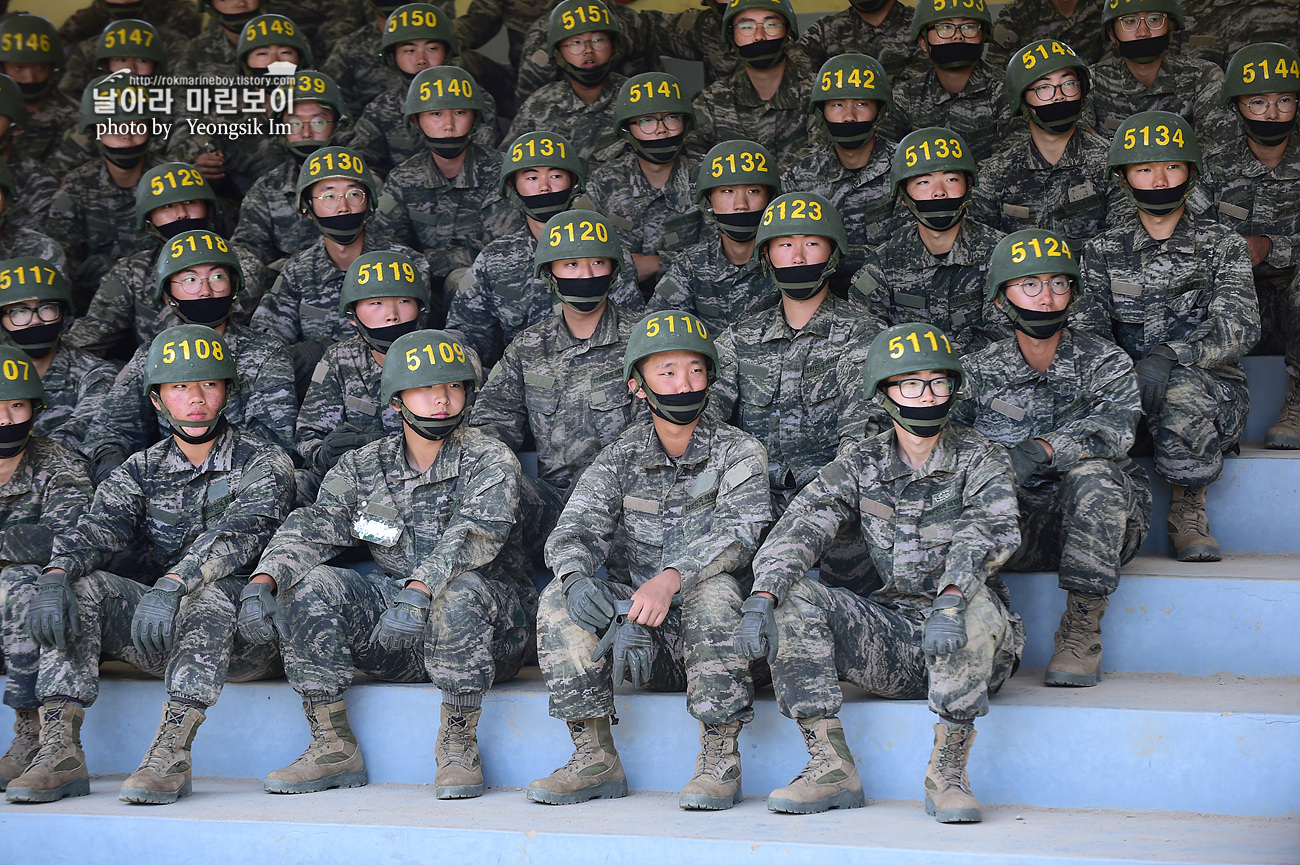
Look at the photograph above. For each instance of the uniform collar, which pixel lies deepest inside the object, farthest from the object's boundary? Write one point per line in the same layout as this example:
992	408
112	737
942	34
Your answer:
819	325
1182	240
606	332
468	178
445	466
958	256
981	80
697	452
219	459
943	460
789	93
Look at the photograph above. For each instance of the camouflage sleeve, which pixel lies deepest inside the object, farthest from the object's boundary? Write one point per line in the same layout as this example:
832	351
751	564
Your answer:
92	389
256	228
112	523
1214	123
855	410
584	533
499	410
741	513
338	68
1231	325
536	68
870	288
486	510
367	138
109	318
705	134
64	223
126	418
987	531
277	312
65	494
672	291
469	312
726	386
316	533
322	407
1092	312
812	44
271	411
256	276
626	293
1105	425
673	33
392	221
985	206
479	23
233	541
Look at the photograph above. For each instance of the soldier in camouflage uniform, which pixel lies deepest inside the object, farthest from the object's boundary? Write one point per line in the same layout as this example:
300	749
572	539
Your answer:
1065	405
719	279
16	238
199	283
212	52
128	43
1076	23
1223	27
44	489
934	269
36	313
126	311
1173	289
88	21
449	598
690	495
766	99
31	184
847	161
1252	185
502	293
581	105
957	89
646	191
444	203
483	19
695	34
1051	173
49	112
937	510
877	28
206	499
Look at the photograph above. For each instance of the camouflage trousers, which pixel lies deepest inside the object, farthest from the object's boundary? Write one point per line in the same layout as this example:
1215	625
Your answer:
692	651
22	654
206	654
1278	292
1084	524
1200	419
847	563
540	504
476	634
826	635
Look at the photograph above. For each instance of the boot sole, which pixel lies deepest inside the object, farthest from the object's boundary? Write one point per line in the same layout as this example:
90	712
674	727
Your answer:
842	799
1071	680
1282	443
614	788
458	791
75	787
331	782
952	815
700	802
141	796
1198	553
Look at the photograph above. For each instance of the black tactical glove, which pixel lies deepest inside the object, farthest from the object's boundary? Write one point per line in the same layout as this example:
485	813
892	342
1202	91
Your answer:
151	627
756	634
259	619
632	646
402	625
1153	376
590	603
105	460
945	630
338	442
1026	458
52	616
304	356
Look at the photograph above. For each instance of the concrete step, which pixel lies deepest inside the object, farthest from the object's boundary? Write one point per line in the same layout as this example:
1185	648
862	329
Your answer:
1195	618
1220	744
231	822
1268	380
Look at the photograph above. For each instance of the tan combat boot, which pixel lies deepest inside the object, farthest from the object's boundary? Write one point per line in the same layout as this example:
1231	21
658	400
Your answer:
165	775
948	798
1286	432
1077	659
830	780
460	771
716	785
593	772
1189	527
22	750
332	759
59	767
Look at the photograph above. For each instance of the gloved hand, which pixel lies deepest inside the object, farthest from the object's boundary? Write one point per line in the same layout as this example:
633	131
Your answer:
304	356
402	625
1026	458
105	461
945	629
151	627
756	634
259	619
52	616
1153	375
590	603
338	442
631	644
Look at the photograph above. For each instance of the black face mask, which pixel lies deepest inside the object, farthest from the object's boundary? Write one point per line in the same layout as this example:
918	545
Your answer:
300	150
179	226
1269	133
851	135
380	338
235	21
1161	202
802	281
542	207
956	55
583	293
937	214
34	91
587	76
763	54
14	437
1143	50
868	6
676	408
207	311
660	151
342	228
1057	117
1034	323
39	340
740	227
925	421
447	148
124	157
431	428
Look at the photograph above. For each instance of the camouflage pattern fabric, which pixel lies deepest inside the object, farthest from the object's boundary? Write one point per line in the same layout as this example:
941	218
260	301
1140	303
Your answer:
18	240
555	107
247	157
80	67
210	54
537	69
845	32
694	34
483	19
702	281
90	20
34	188
1219	28
357	66
649	221
979	113
1021	22
1184	85
731	108
270	223
75	387
40	136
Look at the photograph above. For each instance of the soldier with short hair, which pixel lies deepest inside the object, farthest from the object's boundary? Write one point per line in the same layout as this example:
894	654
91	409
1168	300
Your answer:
877	28
31	53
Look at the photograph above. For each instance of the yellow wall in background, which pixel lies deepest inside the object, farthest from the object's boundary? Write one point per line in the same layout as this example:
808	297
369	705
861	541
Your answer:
55	10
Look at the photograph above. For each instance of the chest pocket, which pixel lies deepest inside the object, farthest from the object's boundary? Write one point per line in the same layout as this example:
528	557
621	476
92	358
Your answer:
220	495
166	531
1126	299
936	525
643	519
758	383
610	394
821	380
877	523
378	524
540	395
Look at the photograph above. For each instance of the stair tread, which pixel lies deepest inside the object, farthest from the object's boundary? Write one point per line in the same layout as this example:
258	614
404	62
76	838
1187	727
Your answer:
1233	566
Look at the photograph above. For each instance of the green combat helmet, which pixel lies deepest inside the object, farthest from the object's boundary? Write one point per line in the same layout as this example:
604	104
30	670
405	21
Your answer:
421	359
1030	252
761	53
801	213
1113	9
443	88
30	279
109	99
923	152
172	183
416	21
26	38
383	274
542	150
1266	67
312	86
131	37
192	249
11	104
904	348
1155	136
850	77
653	93
271	30
1034	61
736	163
928	12
572	18
578	234
336	163
190	352
18	380
671	330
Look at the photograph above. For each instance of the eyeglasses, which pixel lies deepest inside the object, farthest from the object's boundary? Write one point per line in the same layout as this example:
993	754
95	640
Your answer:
1032	286
1154	20
1068	89
21	316
912	388
352	196
219	283
580	46
317	124
947	30
1258	105
770	28
671	122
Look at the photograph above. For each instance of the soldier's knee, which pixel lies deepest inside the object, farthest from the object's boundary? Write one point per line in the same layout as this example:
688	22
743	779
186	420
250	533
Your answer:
1091	477
805	599
551	607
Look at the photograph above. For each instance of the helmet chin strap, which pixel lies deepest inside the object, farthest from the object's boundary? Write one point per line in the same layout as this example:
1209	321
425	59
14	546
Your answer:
211	428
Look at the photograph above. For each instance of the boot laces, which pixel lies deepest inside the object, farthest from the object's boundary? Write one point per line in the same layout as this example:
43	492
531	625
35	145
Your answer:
27	735
584	748
713	752
319	743
1189	511
1078	635
818	751
454	739
163	750
1291	405
952	757
52	739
